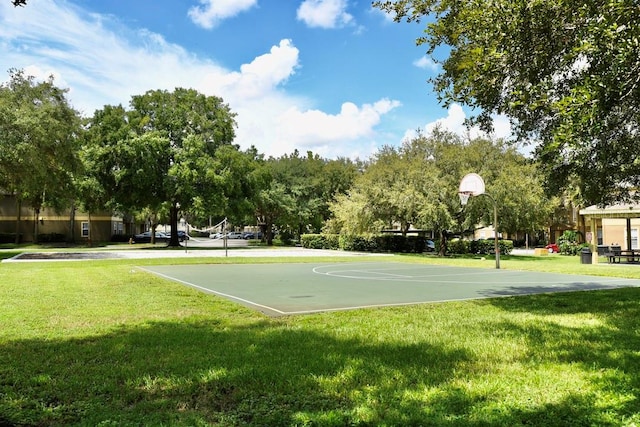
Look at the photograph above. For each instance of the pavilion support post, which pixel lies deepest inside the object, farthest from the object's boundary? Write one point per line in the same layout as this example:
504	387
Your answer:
594	240
629	234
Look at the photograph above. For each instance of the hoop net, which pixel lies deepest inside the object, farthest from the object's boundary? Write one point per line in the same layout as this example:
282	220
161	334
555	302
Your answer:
464	197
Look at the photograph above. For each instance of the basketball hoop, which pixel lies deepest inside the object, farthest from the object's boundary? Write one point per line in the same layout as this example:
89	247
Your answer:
472	184
464	197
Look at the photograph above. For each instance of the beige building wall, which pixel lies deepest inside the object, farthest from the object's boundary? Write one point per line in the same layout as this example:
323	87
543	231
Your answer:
79	227
614	232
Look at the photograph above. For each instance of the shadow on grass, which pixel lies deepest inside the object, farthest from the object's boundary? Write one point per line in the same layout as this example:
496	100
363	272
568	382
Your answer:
269	373
596	330
189	374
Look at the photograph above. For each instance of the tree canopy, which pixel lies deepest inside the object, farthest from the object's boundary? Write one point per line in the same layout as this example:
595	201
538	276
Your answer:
296	191
38	143
566	72
170	150
416	185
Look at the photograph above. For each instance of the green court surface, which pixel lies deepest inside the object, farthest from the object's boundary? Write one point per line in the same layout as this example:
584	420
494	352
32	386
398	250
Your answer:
285	289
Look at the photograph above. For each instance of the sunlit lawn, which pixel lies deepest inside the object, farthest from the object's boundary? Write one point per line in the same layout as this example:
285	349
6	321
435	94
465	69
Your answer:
102	343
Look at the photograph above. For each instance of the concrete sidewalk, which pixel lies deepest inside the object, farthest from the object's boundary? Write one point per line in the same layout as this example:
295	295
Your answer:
195	252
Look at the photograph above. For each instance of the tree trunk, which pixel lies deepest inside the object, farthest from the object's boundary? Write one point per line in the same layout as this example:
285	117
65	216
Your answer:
268	232
18	218
71	237
36	222
443	243
173	241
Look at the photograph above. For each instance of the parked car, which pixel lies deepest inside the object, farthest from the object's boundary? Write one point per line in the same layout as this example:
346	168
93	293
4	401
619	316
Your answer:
431	246
552	248
252	236
216	236
146	237
234	235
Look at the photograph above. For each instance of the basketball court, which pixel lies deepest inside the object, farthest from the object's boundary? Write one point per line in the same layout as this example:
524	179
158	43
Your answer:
287	289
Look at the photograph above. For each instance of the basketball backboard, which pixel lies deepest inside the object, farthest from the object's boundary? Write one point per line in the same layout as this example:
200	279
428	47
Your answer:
472	184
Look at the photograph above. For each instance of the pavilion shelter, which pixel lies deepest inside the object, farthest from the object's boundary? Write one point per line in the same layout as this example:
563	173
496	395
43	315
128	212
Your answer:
615	225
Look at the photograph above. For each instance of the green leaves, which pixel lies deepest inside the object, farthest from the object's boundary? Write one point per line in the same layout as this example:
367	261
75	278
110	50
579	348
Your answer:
38	141
416	185
565	72
170	149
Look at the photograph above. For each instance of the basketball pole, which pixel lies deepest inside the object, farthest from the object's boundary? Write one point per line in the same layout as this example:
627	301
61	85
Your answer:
473	185
495	228
496	246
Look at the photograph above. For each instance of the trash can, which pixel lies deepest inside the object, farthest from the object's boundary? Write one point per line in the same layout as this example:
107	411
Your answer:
585	256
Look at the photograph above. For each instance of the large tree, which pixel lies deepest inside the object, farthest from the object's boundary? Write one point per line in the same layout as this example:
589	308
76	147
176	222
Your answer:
416	185
299	188
566	72
170	150
38	144
296	191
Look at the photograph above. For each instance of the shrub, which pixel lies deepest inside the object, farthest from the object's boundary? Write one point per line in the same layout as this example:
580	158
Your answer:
401	244
358	243
286	237
506	246
51	238
8	237
568	243
320	241
487	246
381	243
458	246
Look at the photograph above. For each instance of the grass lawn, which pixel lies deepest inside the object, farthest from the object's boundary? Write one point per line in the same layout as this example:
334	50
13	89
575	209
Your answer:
100	343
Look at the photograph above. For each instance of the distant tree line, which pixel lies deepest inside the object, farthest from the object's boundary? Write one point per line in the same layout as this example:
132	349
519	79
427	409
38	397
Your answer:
170	154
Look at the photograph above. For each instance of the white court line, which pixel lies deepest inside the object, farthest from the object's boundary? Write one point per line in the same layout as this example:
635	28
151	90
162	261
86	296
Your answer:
340	273
202	288
382	276
601	280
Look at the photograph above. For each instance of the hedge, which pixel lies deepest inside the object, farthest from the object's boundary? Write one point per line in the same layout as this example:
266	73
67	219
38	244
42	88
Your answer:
487	246
320	241
381	243
399	244
8	237
52	238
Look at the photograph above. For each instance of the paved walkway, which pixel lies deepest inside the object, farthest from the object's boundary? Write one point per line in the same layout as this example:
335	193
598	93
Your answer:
194	252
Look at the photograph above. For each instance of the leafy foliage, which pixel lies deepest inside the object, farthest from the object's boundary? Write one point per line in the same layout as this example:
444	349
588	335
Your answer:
297	190
320	241
171	151
565	72
379	243
38	143
417	184
569	244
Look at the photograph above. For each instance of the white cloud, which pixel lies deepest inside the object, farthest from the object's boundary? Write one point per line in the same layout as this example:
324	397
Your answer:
426	63
324	13
104	63
213	11
455	122
314	129
262	75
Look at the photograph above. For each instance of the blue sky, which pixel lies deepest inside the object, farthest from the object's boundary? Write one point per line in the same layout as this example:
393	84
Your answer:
336	77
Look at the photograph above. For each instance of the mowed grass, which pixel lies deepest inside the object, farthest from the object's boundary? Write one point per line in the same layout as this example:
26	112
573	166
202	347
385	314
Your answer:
101	343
